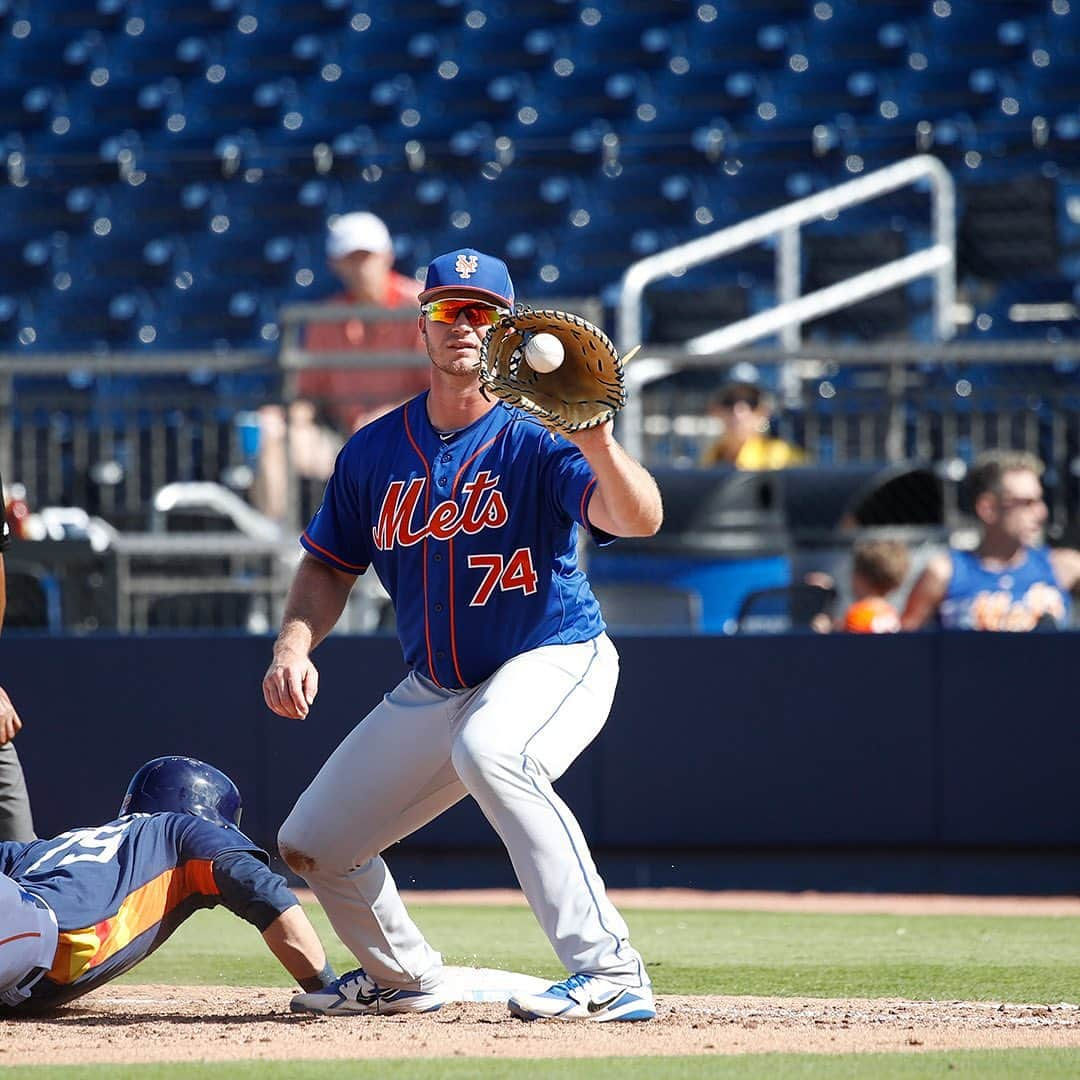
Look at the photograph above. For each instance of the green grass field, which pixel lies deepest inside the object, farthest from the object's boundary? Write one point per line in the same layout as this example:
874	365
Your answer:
920	957
1016	959
980	1064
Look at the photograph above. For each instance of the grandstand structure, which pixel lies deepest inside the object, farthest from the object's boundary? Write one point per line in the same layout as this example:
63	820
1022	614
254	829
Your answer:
169	167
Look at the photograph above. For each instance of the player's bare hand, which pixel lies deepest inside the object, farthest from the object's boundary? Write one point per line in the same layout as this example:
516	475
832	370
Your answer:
10	724
290	685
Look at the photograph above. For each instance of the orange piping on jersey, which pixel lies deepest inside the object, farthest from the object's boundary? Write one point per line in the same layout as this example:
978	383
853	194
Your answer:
427	517
19	937
331	555
584	502
450	555
80	951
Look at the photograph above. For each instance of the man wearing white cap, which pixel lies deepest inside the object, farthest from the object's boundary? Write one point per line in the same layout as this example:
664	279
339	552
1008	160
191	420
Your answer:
360	252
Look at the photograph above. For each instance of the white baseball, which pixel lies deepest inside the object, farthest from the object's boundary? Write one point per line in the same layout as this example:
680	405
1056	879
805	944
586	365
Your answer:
544	353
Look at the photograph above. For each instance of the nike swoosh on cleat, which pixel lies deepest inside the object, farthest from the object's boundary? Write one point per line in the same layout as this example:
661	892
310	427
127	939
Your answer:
596	1006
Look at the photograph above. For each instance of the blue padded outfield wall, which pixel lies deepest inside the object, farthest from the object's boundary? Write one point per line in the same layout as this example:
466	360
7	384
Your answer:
925	762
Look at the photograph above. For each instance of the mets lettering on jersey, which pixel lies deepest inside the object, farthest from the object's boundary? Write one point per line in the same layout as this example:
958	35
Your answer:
1021	597
474	536
484	508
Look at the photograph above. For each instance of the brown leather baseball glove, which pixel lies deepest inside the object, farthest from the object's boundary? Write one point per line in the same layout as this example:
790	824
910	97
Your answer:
587	389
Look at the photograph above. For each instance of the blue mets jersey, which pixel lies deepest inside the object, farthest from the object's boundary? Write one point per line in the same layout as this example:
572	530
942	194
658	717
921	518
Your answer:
474	536
119	890
1019	597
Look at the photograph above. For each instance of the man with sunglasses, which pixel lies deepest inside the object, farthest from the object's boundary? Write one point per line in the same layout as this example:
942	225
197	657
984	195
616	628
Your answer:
469	512
1011	581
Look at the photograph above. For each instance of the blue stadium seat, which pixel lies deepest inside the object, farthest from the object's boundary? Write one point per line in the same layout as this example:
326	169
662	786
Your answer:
44	53
818	95
91	316
974	35
188	140
631	42
16	313
403	200
26	108
272	49
510	44
205	316
942	91
391	45
653	195
583	99
853	36
730	38
78	14
123	105
244	260
126	259
159	45
36	210
272	206
463	99
157	208
302	16
698	97
525	199
226	101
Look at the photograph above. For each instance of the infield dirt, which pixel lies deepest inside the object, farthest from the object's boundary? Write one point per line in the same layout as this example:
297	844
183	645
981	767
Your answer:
176	1023
127	1023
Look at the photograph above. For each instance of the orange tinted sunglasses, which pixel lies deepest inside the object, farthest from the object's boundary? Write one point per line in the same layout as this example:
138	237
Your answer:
477	314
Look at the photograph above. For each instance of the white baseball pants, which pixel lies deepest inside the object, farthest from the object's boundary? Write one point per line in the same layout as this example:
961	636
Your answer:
421	750
28	937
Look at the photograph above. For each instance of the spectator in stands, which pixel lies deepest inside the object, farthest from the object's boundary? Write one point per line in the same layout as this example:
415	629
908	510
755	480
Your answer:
313	447
746	411
360	252
333	402
878	568
1011	581
16	822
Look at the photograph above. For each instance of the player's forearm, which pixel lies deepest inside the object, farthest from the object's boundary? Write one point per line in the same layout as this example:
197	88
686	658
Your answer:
292	939
627	501
315	602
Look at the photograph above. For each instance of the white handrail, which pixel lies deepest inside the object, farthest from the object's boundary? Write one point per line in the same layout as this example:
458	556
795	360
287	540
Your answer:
939	260
843	294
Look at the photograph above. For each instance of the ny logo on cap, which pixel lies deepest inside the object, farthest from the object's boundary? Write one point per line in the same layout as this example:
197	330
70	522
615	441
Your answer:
465	266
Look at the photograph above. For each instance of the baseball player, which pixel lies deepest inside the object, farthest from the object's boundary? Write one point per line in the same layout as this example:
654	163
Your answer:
84	907
468	510
16	822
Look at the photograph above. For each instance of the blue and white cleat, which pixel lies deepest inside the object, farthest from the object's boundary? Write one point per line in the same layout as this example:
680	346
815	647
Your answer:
586	997
356	993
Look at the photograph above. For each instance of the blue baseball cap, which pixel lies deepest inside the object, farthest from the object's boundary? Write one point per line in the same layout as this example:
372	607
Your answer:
467	274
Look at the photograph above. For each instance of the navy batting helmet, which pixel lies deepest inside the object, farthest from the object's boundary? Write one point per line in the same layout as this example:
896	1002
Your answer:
183	785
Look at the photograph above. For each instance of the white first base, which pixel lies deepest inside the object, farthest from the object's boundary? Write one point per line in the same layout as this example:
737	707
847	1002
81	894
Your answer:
488	984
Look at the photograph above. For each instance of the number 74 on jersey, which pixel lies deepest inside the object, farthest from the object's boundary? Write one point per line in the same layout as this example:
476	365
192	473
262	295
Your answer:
504	574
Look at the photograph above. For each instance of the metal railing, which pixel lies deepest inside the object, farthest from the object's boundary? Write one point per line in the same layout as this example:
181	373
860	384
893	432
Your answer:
76	439
895	402
105	432
792	309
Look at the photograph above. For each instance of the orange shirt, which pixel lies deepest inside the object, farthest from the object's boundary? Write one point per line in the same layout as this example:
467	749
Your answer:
349	395
874	615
